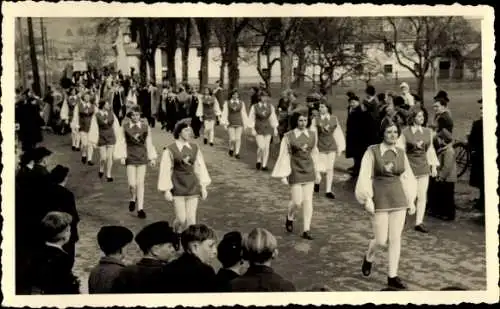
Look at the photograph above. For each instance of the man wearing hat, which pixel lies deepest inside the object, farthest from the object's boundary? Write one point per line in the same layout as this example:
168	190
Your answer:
442	118
111	240
158	242
477	158
30	121
230	254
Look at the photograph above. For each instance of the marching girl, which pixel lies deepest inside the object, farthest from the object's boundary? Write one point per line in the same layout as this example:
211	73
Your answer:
82	115
183	176
234	119
263	122
104	127
208	111
131	99
417	141
134	148
331	143
385	186
67	110
297	166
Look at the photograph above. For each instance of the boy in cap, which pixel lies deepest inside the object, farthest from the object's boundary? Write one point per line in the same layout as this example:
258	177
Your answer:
111	240
230	254
442	189
157	241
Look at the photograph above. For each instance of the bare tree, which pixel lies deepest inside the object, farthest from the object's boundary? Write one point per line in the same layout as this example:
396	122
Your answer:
34	62
204	26
185	31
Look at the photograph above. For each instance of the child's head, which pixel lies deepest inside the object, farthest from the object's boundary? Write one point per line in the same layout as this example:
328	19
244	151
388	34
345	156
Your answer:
56	227
230	250
158	240
200	240
260	246
112	239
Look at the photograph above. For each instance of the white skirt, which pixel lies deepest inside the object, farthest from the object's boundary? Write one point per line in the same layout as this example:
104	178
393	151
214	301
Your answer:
326	161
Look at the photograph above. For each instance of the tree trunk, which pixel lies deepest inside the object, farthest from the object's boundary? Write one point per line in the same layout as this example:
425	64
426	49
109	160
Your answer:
286	68
301	67
152	69
34	63
204	32
222	71
420	86
143	65
185	63
434	77
171	49
233	71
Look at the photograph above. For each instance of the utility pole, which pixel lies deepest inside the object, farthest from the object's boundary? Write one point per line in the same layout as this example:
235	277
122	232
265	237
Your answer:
34	61
42	31
20	61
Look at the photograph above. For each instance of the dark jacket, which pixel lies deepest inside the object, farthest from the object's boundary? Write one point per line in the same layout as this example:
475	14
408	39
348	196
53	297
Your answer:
477	154
144	277
103	275
59	198
190	275
52	272
356	138
30	122
444	121
259	278
224	277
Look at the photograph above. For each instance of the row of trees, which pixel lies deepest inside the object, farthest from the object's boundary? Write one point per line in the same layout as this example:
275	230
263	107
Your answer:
329	44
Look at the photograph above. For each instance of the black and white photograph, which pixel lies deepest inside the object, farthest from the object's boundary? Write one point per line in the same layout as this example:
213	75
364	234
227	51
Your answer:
172	149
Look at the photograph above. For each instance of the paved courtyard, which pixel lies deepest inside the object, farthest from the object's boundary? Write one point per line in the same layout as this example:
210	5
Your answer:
241	198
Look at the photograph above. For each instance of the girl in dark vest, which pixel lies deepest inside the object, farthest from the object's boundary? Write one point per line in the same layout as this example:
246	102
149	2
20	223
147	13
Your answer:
82	115
386	187
183	176
417	141
297	166
116	99
234	119
104	128
331	142
134	147
263	122
208	111
67	110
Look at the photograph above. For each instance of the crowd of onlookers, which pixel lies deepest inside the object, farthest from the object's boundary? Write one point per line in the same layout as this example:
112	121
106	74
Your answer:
45	255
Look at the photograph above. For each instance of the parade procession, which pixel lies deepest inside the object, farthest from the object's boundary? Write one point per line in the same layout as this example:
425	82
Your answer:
130	183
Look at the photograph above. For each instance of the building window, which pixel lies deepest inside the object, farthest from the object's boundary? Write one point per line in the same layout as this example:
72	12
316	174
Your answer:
388	69
387	47
358	48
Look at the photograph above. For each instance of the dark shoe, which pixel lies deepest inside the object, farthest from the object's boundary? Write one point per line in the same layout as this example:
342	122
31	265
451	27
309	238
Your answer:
420	228
205	141
307	235
77	148
366	268
84	160
265	168
396	283
236	156
131	206
211	144
231	153
289	225
330	195
258	165
316	187
109	179
141	214
101	174
73	148
90	163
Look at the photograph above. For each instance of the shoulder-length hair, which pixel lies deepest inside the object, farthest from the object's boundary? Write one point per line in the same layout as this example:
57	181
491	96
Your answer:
414	111
386	123
134	109
294	119
259	246
181	125
196	233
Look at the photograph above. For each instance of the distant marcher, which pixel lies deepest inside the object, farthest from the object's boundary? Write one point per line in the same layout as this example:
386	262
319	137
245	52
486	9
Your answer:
442	188
477	158
157	241
230	254
29	120
82	116
52	271
234	118
191	272
371	106
111	240
260	248
209	112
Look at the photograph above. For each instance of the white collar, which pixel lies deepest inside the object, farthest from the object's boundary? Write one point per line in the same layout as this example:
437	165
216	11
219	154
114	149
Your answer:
54	245
415	128
325	116
180	144
384	148
299	132
103	112
138	124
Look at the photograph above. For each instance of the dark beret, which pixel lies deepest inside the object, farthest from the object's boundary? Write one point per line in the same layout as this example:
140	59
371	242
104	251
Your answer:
113	238
230	249
442	95
39	153
156	234
58	173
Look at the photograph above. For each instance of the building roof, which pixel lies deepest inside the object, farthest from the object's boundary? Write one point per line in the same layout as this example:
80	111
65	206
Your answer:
475	53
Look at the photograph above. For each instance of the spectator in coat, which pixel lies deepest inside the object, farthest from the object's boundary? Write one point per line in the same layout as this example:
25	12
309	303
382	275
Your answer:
442	118
230	254
30	121
144	100
372	124
59	198
441	199
477	159
157	242
260	248
191	272
52	271
356	137
111	240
